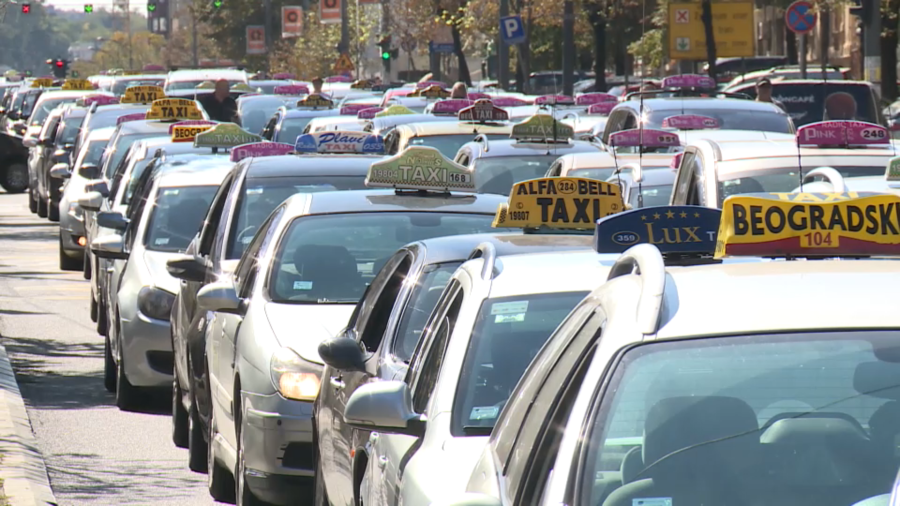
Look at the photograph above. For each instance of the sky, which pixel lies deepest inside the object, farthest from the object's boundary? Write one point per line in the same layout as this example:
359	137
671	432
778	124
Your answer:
78	5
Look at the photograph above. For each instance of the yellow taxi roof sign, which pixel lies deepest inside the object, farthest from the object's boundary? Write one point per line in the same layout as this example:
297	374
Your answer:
420	168
809	225
186	131
77	84
315	101
394	110
224	135
433	91
892	174
42	82
241	87
142	94
174	109
542	128
361	84
570	203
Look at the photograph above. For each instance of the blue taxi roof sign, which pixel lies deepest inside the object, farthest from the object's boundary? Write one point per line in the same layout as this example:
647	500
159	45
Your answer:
842	133
679	230
789	225
644	137
421	168
340	142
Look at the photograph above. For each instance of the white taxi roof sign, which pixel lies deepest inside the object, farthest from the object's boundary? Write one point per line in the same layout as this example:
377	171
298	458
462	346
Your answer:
571	203
542	128
142	94
224	135
892	174
77	84
174	109
339	142
421	168
315	101
394	110
482	111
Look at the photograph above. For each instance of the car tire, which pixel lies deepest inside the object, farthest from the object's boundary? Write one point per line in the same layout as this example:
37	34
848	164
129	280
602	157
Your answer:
94	310
32	204
42	207
67	263
127	395
86	268
109	368
15	178
180	424
242	493
53	212
219	480
102	325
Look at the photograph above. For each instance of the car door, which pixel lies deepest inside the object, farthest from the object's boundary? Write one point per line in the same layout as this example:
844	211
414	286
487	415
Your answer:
392	451
683	178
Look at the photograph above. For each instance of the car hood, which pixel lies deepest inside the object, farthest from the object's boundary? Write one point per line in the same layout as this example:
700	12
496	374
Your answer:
302	327
156	265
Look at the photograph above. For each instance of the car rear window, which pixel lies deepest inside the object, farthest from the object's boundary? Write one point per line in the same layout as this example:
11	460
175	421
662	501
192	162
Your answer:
806	103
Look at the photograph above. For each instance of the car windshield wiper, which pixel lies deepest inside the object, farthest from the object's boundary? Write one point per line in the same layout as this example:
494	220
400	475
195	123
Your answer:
477	430
341	301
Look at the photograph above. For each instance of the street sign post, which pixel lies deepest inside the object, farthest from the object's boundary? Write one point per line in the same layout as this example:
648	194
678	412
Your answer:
343	64
330	11
733	25
801	19
512	30
256	39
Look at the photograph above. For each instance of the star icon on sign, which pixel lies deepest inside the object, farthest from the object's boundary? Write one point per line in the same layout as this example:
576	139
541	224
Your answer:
696	215
644	217
655	216
670	214
683	214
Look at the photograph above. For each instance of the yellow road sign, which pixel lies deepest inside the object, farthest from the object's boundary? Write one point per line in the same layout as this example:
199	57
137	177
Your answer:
732	25
343	64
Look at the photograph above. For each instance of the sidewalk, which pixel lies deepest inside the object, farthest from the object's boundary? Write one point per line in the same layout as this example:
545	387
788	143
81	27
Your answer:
22	469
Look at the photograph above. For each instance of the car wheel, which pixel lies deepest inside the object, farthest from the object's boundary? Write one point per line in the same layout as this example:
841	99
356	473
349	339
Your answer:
42	207
109	368
102	325
32	204
198	450
53	211
126	394
15	179
320	496
86	268
94	310
243	495
67	263
180	424
219	481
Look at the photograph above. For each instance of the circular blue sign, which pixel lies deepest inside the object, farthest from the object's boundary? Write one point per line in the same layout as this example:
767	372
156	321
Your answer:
800	17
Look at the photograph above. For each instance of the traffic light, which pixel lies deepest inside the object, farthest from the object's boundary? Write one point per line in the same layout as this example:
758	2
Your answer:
151	6
385	54
59	67
217	4
88	8
26	8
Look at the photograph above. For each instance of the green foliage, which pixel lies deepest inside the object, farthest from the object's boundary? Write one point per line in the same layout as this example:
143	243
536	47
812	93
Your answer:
650	48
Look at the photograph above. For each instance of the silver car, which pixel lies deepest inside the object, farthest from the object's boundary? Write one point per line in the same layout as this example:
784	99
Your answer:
166	213
296	285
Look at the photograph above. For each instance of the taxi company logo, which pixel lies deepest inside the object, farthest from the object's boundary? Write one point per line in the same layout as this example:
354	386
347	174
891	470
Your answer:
548	186
794	99
341	140
822	134
430	175
872	219
187	133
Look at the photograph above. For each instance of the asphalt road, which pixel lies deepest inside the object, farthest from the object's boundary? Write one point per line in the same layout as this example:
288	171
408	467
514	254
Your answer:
95	453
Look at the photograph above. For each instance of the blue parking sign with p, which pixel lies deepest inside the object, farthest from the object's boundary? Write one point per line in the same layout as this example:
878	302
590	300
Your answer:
512	30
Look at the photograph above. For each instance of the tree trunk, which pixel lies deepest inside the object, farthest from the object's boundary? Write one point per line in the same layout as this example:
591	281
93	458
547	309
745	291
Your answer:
890	33
597	17
460	56
707	19
520	72
620	57
791	41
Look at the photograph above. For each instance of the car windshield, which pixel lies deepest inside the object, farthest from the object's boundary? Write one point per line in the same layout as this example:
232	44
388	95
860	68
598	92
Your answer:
498	174
331	258
809	103
93	153
176	217
803	419
108	118
421	302
449	144
46	107
138	167
119	87
732	119
780	180
261	196
28	103
604	173
190	85
71	128
507	335
291	128
120	148
254	115
653	195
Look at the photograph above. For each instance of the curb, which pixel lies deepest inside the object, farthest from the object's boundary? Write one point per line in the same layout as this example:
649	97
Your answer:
22	468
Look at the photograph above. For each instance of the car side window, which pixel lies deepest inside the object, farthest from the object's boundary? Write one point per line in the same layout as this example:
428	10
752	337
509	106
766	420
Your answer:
134	217
695	190
375	320
555	170
269	129
213	216
683	180
392	142
427	367
248	268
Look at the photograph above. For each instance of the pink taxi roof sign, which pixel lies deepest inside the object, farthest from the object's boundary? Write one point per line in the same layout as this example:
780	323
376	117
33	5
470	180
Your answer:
354	109
483	111
554	100
602	108
99	100
690	122
595	98
338	79
842	133
508	102
429	84
689	81
450	106
292	89
643	137
131	117
257	149
369	113
477	95
284	75
190	122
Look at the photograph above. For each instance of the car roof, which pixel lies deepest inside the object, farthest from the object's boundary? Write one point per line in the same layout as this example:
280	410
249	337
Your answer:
566	271
510	147
784	147
366	201
452	127
55	94
343	122
458	247
309	113
193	176
144	126
314	164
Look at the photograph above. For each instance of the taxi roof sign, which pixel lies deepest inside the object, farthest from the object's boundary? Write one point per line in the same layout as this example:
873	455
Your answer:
225	135
477	95
809	225
689	230
77	84
361	84
369	112
97	99
429	84
284	75
542	127
42	82
339	79
242	87
689	81
842	133
340	142
508	102
187	133
892	174
174	109
450	106
601	108
554	100
258	149
434	91
482	111
136	116
595	98
420	168
142	94
315	101
197	122
690	122
291	89
353	109
394	110
571	203
644	137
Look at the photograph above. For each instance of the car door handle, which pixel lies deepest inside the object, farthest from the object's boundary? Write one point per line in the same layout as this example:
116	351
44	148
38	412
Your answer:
373	438
336	383
382	462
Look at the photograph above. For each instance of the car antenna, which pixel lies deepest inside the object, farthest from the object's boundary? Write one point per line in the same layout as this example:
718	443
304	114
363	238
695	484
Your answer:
800	164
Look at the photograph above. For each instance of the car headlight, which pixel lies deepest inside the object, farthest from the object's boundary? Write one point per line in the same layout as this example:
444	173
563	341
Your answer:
155	303
292	377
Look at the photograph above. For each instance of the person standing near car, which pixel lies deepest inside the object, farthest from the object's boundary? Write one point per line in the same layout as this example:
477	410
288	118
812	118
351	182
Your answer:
219	105
764	93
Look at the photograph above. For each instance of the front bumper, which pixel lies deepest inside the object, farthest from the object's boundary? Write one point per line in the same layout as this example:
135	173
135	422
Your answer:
147	348
279	454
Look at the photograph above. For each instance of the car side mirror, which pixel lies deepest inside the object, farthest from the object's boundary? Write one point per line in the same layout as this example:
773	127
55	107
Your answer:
13	115
97	186
384	406
91	201
109	246
112	219
60	155
470	499
220	297
188	268
30	142
60	171
89	171
343	353
47	143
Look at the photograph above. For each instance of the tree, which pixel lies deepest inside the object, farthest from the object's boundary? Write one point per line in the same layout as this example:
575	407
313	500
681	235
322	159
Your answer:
890	39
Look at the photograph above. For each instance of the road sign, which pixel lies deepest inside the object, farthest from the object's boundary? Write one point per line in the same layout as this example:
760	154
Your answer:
343	64
440	47
732	23
800	17
330	11
256	39
512	30
408	45
291	21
